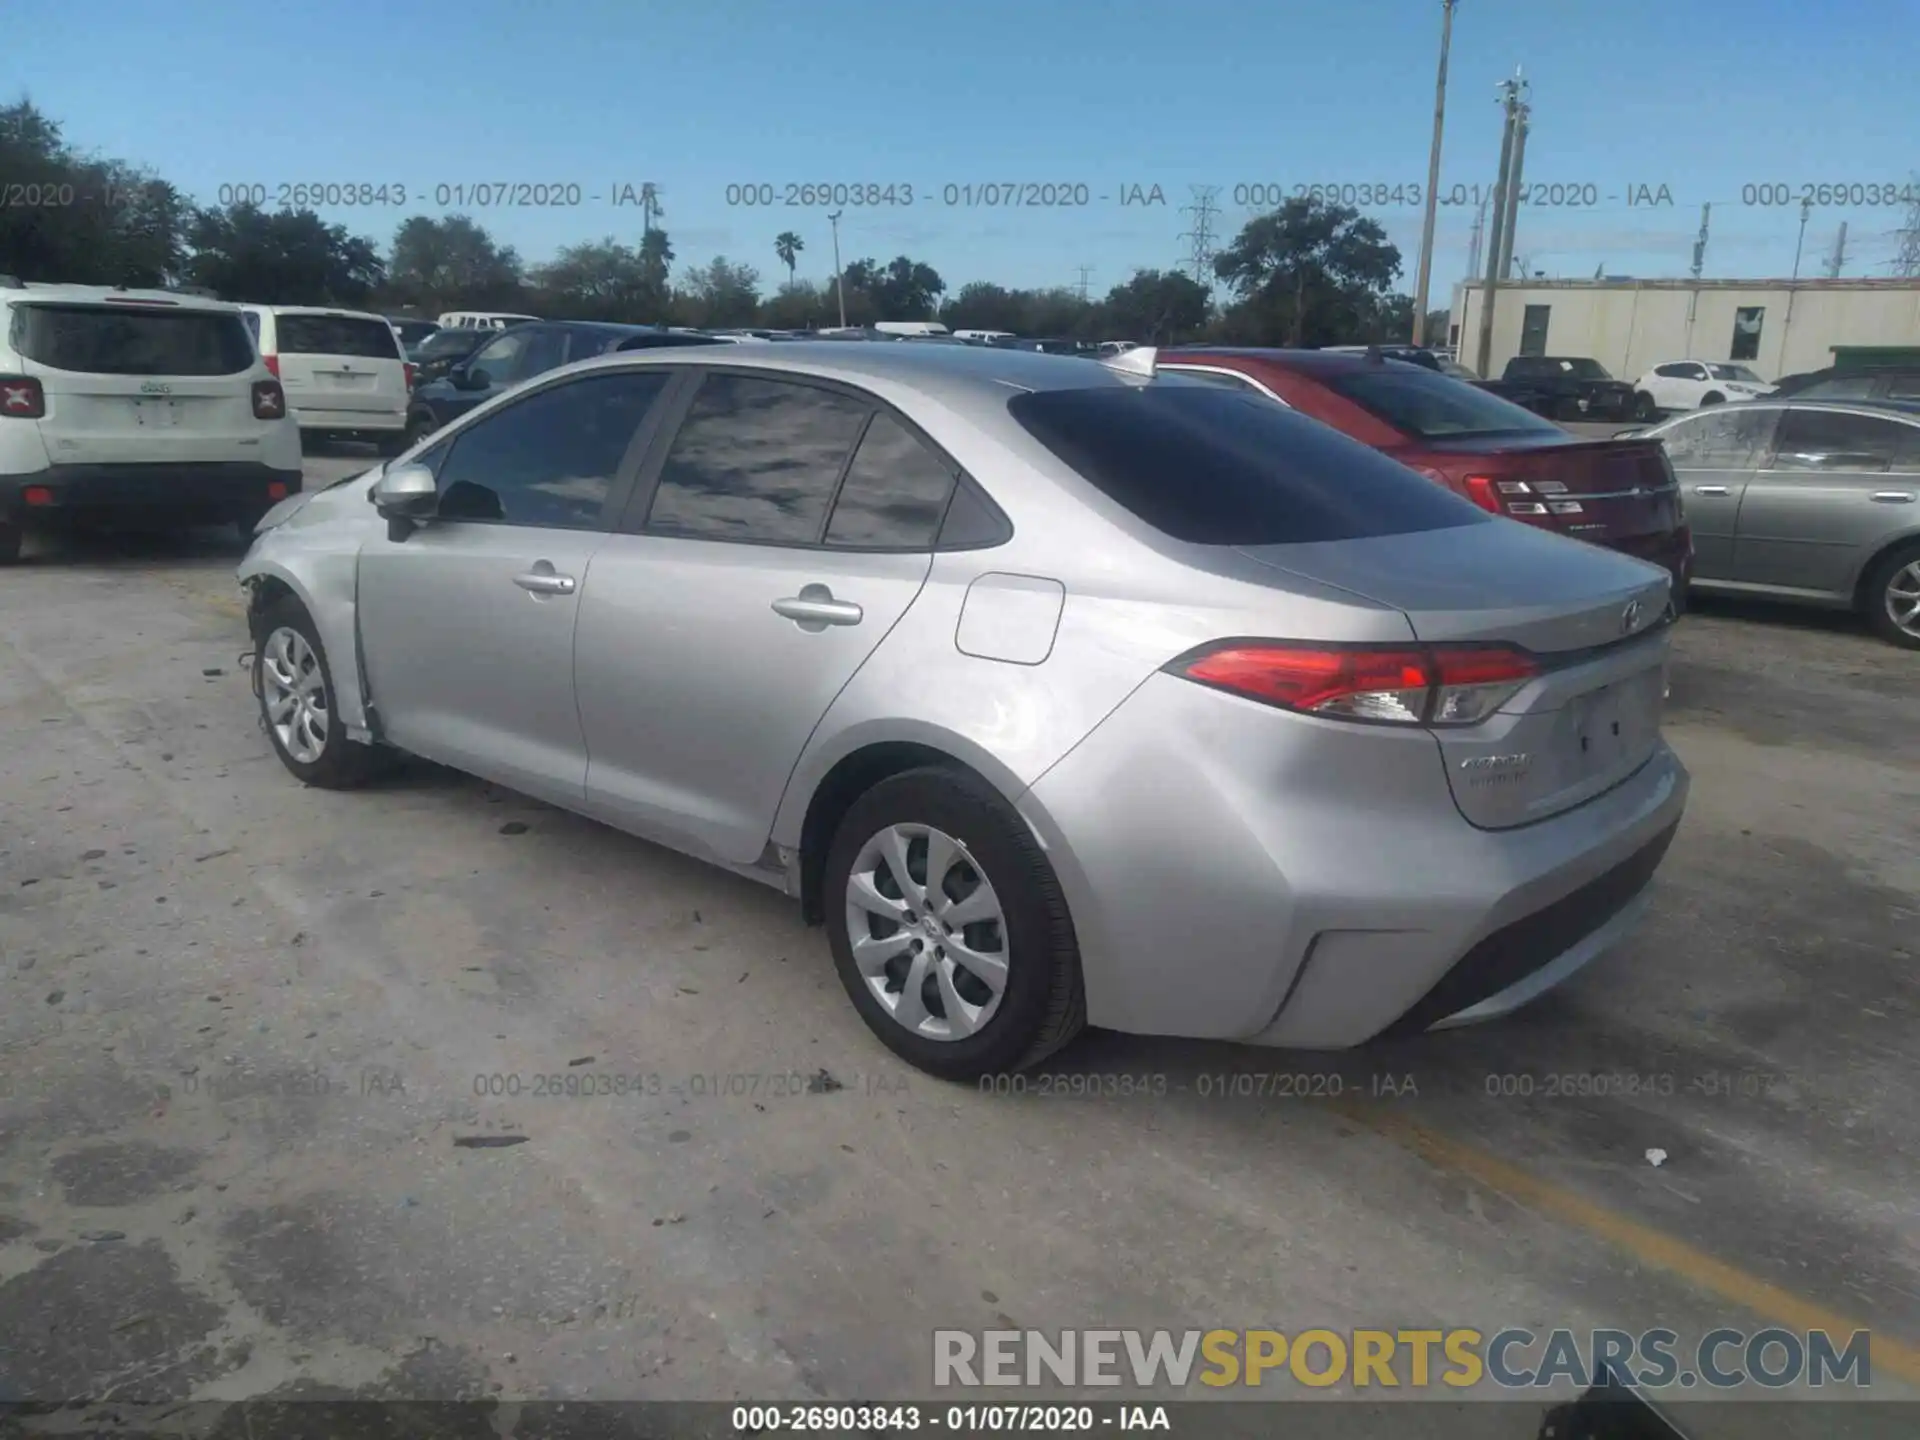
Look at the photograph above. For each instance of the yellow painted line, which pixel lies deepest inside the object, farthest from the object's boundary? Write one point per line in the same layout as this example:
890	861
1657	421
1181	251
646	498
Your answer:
1651	1247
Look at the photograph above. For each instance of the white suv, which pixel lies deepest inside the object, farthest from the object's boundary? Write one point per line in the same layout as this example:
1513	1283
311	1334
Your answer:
125	404
345	371
1690	384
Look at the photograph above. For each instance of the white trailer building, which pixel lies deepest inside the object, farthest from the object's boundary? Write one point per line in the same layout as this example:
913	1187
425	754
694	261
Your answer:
1776	327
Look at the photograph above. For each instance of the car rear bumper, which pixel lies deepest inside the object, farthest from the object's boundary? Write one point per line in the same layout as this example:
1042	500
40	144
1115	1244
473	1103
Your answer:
1237	872
186	492
348	422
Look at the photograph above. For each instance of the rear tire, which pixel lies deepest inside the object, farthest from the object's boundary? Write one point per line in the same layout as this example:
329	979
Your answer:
1892	588
10	539
1643	406
286	661
1040	1004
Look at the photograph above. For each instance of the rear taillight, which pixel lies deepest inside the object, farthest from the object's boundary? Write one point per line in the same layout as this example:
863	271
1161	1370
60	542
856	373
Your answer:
1402	685
411	370
269	400
1517	497
22	398
272	363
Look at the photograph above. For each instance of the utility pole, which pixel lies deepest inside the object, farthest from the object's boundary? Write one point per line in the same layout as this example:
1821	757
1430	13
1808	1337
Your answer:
1085	271
1510	100
1839	260
1433	178
1700	241
1479	233
839	286
1511	221
1806	209
1200	248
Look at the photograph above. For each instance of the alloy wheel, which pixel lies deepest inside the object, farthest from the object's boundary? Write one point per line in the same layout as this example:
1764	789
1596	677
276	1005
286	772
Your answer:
1902	598
294	694
927	931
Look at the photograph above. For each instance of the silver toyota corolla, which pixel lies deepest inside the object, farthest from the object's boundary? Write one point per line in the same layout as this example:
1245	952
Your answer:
1059	694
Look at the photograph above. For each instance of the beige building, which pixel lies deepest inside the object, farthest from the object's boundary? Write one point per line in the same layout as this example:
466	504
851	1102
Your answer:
1776	327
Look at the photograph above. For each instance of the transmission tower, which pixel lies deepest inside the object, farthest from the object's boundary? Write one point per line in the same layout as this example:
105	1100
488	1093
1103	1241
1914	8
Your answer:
1081	288
1906	260
1200	242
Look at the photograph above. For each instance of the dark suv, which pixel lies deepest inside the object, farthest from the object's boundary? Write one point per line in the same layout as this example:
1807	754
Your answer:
505	358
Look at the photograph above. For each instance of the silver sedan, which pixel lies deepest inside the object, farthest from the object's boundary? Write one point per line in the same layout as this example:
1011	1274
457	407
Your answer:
1059	694
1809	502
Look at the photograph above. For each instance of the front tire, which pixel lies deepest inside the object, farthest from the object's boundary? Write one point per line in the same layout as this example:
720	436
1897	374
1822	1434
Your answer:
295	685
1712	397
949	928
1892	596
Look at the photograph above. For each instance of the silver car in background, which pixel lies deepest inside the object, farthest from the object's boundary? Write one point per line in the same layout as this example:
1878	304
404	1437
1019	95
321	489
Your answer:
1057	693
1811	502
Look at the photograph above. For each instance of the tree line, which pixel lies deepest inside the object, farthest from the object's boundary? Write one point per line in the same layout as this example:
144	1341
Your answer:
1307	273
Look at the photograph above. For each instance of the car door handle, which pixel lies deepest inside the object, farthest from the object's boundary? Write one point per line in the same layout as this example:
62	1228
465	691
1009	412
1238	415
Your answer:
540	582
814	607
1710	490
1894	497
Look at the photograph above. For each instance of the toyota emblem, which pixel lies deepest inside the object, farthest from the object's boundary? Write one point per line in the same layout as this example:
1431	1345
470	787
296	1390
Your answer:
1630	618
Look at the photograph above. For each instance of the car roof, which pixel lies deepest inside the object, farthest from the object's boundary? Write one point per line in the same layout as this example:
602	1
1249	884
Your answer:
33	290
1880	410
338	312
951	372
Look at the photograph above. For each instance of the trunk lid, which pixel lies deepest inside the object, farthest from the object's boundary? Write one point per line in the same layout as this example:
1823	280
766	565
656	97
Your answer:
133	384
1604	491
340	362
1592	619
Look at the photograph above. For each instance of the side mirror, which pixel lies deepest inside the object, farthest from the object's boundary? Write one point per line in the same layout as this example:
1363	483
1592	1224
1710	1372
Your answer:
465	378
406	495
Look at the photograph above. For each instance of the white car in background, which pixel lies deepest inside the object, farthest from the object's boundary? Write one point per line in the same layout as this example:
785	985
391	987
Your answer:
344	371
482	319
142	406
1689	384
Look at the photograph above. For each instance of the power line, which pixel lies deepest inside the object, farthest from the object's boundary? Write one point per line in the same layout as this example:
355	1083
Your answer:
1200	243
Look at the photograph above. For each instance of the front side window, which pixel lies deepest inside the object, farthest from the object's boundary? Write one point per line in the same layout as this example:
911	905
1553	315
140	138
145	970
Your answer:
895	492
1720	439
550	460
756	460
1431	406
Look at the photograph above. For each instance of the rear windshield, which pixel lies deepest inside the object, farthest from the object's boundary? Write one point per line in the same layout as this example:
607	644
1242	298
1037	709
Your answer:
1428	405
448	342
126	340
1220	467
336	335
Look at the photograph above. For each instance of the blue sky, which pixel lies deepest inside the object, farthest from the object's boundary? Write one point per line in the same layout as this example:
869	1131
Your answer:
1703	97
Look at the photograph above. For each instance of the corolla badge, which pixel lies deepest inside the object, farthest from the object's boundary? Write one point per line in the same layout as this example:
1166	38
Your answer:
154	387
1630	618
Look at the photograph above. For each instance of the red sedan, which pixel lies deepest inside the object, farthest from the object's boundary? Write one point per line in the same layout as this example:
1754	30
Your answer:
1618	493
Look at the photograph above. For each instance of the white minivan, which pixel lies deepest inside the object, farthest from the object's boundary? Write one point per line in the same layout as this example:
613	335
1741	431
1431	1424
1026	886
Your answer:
482	319
141	405
344	371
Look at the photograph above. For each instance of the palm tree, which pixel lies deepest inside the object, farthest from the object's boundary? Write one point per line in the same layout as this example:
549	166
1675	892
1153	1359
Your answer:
788	246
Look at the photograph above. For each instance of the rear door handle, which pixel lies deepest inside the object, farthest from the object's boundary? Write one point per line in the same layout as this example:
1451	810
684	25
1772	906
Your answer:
1710	490
814	608
545	582
1894	497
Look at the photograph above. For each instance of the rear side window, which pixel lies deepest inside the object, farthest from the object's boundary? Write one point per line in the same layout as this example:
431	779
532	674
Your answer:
756	460
895	492
336	335
1217	468
1431	406
126	340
